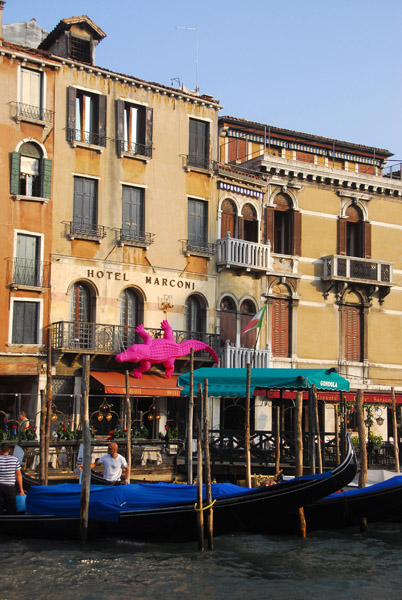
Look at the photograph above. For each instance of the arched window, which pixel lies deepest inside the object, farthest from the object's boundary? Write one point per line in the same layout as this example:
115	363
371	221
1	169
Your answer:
131	315
228	219
354	234
247	311
248	224
30	172
283	226
82	314
195	315
228	320
352	314
281	322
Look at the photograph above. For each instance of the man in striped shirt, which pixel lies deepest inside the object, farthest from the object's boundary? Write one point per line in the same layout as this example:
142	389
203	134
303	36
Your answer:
10	473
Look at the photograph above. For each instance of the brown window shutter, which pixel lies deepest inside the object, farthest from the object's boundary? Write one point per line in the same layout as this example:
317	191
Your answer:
296	233
241	228
280	327
227	224
352	337
228	327
342	223
269	226
71	99
149	120
102	120
242	150
119	120
367	240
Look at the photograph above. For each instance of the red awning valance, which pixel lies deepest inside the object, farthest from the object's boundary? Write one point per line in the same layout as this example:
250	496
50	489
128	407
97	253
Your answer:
148	385
329	396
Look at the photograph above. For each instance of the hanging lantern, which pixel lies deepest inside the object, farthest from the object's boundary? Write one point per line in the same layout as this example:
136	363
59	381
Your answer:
54	417
158	417
109	416
100	417
150	417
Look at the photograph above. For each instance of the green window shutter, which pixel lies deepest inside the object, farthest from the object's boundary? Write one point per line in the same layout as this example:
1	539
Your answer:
46	177
15	173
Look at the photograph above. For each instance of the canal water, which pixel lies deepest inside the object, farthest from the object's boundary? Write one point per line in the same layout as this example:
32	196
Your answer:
339	564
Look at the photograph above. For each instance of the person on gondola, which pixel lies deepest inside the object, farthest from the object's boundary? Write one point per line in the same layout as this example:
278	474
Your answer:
10	474
113	465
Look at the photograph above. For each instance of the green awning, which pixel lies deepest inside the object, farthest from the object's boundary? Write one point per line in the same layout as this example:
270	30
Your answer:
232	382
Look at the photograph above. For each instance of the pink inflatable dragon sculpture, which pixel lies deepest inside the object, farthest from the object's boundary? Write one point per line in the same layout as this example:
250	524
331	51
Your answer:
164	350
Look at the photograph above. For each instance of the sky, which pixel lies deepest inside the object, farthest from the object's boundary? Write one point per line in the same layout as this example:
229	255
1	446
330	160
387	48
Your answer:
324	67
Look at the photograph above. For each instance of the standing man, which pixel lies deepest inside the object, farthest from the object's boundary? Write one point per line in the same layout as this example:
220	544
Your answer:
113	463
10	473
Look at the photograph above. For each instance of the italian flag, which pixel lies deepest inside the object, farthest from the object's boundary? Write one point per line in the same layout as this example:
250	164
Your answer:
256	321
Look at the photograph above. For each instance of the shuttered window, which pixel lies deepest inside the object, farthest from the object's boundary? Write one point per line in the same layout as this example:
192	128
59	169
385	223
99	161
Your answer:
283	227
133	211
228	219
30	173
25	322
354	234
199	144
197	222
85	205
280	327
134	125
195	315
353	333
228	320
86	117
247	312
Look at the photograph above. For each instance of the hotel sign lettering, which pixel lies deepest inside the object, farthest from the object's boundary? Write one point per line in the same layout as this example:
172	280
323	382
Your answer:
149	280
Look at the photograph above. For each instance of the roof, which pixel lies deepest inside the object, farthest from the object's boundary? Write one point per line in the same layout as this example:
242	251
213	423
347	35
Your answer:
306	136
65	24
232	382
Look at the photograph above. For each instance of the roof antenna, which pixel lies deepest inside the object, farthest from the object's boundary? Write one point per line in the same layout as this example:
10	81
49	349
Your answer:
196	53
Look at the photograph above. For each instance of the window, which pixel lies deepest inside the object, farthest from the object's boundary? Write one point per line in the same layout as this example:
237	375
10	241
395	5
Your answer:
86	117
228	320
281	310
228	219
352	327
247	312
237	150
31	103
248	224
27	264
354	234
82	315
134	128
131	315
30	172
79	48
85	208
195	315
199	144
197	225
283	226
25	329
132	214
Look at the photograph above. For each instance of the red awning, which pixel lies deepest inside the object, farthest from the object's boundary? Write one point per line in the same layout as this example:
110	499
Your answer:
148	385
329	396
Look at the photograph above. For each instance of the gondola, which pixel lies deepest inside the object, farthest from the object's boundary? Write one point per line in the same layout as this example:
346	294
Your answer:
167	512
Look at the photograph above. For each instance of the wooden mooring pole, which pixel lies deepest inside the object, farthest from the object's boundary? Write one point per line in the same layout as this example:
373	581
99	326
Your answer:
199	508
363	450
317	427
247	428
208	483
395	431
86	440
299	455
128	419
190	416
42	442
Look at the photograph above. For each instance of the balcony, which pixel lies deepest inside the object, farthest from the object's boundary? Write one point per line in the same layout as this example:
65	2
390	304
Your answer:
134	149
378	275
234	357
198	248
131	237
85	231
34	114
242	254
27	273
96	338
88	138
198	162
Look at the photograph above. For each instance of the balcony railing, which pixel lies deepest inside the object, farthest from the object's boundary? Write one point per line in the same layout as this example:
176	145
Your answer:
28	273
86	231
358	269
198	247
234	357
133	237
33	113
199	162
134	148
86	137
241	253
70	336
393	171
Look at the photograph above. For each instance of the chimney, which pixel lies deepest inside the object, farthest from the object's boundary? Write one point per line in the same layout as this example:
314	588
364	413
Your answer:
2	3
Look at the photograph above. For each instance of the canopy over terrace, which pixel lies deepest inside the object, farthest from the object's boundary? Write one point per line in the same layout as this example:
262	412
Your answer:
232	383
148	385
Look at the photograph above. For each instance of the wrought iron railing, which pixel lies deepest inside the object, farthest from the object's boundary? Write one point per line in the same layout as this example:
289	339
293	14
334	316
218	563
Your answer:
89	231
134	148
34	113
200	162
29	272
393	171
135	237
349	267
232	252
199	247
112	339
86	137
